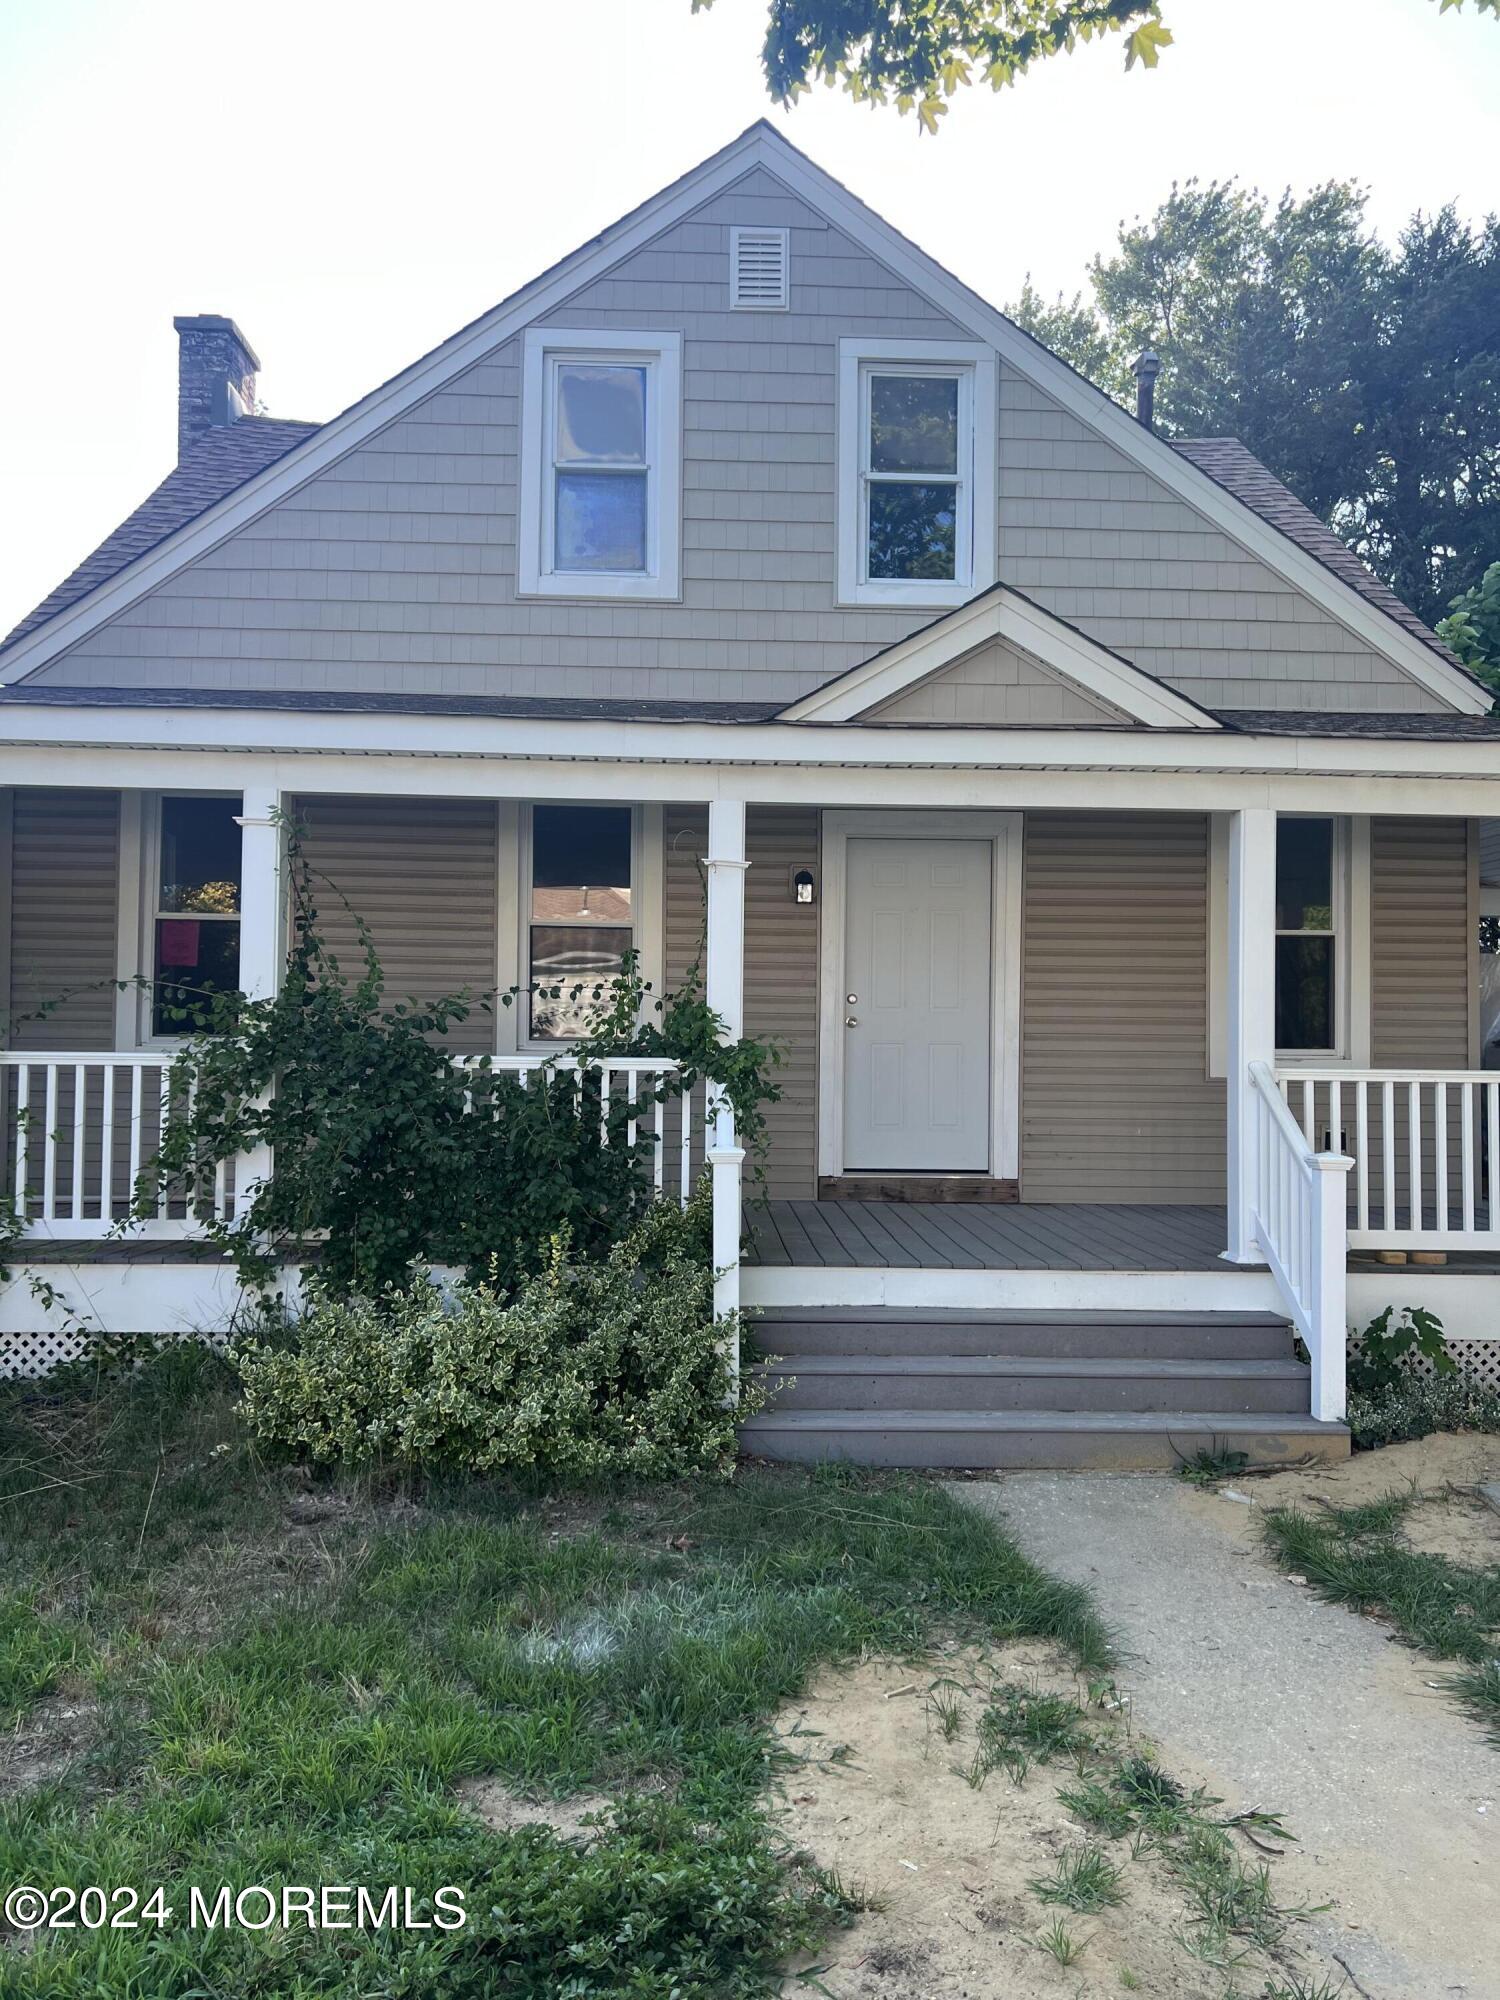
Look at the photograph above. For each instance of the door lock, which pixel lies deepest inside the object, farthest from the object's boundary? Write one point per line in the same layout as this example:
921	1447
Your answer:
850	1022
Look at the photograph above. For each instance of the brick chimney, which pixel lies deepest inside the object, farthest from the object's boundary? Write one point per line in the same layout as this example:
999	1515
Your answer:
216	370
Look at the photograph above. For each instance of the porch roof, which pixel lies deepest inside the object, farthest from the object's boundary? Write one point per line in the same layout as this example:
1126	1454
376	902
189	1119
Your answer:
1322	725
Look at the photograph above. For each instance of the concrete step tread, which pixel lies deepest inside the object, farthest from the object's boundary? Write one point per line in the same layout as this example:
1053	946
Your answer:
1090	1368
1224	1423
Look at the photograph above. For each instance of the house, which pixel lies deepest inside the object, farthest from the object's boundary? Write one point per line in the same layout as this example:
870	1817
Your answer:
1101	839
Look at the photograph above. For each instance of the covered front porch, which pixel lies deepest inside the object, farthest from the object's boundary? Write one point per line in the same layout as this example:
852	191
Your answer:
1136	1139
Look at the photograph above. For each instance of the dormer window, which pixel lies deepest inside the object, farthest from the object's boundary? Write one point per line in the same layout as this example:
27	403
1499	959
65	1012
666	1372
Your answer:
916	472
600	467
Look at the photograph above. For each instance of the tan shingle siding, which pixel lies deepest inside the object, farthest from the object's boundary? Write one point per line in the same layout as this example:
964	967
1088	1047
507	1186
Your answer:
994	686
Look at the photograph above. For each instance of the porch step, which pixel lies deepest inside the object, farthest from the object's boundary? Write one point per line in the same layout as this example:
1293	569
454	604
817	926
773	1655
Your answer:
1133	1391
1074	1336
1121	1441
994	1382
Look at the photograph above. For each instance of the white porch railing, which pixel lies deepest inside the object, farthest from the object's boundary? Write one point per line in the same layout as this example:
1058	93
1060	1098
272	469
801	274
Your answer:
678	1125
1297	1201
79	1126
1425	1146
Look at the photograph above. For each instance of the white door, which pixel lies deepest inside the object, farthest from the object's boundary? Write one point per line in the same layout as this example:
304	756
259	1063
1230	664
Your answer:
916	1017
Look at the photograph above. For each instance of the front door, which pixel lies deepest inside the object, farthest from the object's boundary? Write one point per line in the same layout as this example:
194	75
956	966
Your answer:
917	1006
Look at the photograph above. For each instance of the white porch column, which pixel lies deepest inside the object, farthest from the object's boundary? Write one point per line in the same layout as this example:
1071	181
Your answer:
724	982
262	925
1252	1006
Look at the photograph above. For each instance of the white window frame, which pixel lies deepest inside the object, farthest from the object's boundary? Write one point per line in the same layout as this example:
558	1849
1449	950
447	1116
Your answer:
136	1005
660	354
646	912
974	367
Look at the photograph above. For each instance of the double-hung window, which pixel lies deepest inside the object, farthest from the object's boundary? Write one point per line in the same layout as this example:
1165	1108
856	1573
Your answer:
916	472
580	912
1311	935
600	487
194	891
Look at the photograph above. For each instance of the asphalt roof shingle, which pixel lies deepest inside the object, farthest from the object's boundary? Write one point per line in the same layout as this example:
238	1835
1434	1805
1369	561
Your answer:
222	459
1235	467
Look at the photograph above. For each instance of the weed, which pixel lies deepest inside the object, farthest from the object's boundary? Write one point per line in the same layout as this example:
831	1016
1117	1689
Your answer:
1084	1879
1100	1807
1357	1556
1302	1989
1479	1689
1060	1943
944	1705
1130	1980
1211	1463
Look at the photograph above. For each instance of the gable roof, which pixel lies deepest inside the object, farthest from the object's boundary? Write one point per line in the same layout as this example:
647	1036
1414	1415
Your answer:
1002	613
761	145
213	465
1235	467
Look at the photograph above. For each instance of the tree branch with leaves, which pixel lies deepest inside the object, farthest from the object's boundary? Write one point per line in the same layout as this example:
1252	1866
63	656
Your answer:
918	54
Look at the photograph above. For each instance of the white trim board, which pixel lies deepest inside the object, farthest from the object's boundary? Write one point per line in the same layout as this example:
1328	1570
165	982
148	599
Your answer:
760	146
1003	831
206	1298
1006	615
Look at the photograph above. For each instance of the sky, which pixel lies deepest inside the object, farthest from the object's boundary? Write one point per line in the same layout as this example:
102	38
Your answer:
352	182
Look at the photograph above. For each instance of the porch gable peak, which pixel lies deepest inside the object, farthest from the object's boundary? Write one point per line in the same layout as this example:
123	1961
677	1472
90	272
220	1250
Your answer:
1036	650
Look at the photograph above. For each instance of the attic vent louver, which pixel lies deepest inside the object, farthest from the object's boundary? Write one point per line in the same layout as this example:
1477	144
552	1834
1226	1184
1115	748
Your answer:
759	270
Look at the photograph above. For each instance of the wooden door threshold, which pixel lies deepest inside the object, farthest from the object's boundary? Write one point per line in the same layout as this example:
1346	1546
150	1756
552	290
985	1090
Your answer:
917	1188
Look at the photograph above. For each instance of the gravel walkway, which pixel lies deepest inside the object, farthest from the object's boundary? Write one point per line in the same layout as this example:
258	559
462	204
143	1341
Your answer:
1249	1683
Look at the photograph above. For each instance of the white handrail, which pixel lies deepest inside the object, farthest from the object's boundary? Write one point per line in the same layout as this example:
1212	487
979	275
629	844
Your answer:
1425	1145
1297	1207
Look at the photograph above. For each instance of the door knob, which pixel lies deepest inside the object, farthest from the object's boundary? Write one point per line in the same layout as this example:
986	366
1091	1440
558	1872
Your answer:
850	1022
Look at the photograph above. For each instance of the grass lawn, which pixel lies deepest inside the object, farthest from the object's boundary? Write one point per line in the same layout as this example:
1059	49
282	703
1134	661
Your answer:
213	1672
1358	1556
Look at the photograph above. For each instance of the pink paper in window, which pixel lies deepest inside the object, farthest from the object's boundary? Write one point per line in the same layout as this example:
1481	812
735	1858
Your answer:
177	941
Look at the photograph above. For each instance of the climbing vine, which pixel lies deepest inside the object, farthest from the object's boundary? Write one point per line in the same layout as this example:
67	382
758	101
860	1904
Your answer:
390	1153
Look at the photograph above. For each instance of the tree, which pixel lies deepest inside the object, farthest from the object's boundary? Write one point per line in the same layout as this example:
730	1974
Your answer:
1472	627
918	53
1367	378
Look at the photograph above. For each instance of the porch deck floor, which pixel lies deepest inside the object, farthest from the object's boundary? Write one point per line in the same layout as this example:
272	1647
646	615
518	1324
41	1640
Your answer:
1017	1236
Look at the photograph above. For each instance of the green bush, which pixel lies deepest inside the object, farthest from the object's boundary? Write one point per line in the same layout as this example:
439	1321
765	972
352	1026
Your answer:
613	1366
390	1154
1414	1407
1390	1347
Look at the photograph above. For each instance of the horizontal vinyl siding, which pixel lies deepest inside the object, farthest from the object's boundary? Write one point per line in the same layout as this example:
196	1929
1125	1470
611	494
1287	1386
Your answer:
1115	1102
1421	944
422	873
64	899
781	966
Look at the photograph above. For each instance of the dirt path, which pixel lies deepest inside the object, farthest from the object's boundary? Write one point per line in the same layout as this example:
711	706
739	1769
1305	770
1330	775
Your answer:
1283	1702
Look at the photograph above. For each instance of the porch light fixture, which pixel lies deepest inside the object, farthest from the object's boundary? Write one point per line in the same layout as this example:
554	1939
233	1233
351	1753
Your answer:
804	889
